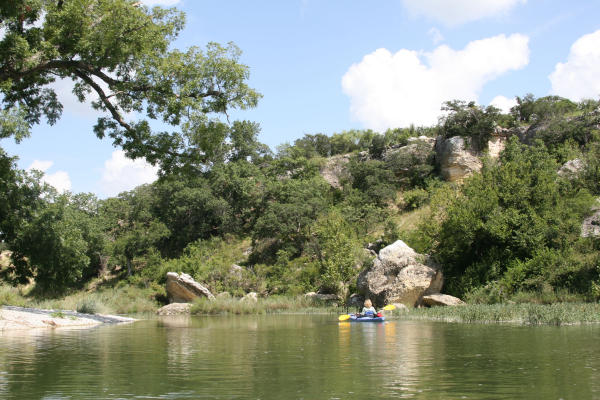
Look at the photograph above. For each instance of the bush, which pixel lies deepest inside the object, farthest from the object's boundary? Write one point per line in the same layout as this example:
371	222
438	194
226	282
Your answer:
415	198
87	306
503	217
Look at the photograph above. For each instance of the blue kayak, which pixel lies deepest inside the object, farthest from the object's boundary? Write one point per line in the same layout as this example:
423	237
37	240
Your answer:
354	318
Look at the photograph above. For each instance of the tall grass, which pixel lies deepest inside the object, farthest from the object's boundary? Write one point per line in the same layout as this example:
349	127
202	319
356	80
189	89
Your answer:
12	296
526	314
123	299
269	305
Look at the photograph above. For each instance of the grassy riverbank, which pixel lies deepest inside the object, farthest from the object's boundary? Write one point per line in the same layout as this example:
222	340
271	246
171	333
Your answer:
269	305
132	299
121	299
523	314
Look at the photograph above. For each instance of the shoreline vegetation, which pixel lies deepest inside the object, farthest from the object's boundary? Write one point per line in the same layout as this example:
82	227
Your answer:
131	300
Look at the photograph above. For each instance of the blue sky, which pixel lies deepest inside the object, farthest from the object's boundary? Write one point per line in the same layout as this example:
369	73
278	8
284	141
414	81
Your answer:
328	66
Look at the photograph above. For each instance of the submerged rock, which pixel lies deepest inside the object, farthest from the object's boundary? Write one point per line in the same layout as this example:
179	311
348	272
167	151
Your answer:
399	275
182	288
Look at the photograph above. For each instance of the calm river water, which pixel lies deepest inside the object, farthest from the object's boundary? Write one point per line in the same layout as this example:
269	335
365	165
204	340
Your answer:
301	357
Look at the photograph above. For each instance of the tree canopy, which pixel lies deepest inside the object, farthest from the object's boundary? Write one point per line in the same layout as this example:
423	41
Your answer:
119	53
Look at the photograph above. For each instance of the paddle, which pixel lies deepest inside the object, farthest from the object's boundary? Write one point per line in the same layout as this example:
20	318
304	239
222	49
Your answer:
346	317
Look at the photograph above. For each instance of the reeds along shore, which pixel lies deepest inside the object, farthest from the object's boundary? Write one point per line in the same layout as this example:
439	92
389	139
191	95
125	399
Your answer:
523	314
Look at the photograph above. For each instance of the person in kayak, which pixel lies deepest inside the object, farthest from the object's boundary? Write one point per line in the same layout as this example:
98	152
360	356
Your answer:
368	309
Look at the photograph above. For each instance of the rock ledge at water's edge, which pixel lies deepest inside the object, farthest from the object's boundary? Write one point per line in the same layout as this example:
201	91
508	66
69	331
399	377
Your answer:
20	318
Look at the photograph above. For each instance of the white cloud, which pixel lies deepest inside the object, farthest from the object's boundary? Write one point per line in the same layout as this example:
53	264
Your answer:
579	77
59	179
152	3
503	103
435	35
394	90
456	12
121	173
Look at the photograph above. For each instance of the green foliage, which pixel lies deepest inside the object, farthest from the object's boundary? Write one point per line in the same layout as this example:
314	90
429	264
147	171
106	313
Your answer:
20	197
412	165
60	245
415	198
469	120
209	262
87	306
337	250
590	176
130	225
530	109
374	179
122	52
289	208
504	216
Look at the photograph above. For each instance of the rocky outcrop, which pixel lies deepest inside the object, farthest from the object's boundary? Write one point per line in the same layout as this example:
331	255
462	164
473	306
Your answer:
591	225
497	143
175	309
182	288
21	318
571	168
334	170
456	159
400	275
438	299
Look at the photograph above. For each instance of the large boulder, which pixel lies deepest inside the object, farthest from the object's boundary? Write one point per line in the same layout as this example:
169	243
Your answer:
456	158
182	288
400	275
438	299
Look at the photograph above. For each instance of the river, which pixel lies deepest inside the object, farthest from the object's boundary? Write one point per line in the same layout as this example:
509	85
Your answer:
300	357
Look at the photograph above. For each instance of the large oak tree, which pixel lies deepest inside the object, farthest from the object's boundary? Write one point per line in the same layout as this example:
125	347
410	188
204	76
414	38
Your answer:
120	53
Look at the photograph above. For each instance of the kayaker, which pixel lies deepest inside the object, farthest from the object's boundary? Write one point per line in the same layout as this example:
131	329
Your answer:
368	309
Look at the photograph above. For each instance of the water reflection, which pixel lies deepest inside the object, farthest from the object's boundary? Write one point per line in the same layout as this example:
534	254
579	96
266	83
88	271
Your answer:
300	356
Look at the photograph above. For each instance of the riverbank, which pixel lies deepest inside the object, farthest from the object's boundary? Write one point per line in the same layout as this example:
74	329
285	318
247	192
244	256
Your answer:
523	314
22	318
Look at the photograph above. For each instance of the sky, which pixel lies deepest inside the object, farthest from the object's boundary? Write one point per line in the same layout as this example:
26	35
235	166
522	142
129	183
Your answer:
325	66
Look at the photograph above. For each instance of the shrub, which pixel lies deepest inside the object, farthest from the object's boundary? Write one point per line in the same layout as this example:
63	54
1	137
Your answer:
87	306
503	216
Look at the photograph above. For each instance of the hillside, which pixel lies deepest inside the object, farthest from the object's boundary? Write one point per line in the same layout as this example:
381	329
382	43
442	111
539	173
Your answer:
480	192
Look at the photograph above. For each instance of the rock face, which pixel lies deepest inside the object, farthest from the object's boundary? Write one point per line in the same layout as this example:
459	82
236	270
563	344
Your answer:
399	275
497	143
182	288
438	299
335	170
457	161
591	225
572	168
